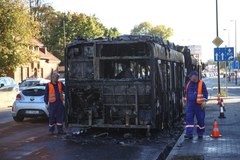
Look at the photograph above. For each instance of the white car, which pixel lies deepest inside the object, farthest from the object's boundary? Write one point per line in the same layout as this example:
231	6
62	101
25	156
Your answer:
30	103
32	82
62	80
8	84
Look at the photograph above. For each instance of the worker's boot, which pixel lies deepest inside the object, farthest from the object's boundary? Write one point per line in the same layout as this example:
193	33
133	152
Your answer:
190	136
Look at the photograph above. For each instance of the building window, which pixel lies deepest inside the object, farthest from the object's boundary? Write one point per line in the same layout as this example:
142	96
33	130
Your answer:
27	72
32	65
21	73
42	72
35	73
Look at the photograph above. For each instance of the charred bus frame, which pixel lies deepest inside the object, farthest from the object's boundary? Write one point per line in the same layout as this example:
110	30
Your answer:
98	95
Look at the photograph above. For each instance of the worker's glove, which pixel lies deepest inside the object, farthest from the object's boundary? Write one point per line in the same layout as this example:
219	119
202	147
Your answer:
203	105
184	102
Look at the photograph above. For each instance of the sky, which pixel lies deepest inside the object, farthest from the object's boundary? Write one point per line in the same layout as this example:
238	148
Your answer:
193	21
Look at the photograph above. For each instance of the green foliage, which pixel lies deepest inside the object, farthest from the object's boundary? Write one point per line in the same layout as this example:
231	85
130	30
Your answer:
143	28
147	28
112	32
76	25
162	31
223	92
16	31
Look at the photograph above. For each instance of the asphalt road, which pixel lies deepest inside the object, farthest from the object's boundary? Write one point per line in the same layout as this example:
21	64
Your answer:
5	115
212	86
30	139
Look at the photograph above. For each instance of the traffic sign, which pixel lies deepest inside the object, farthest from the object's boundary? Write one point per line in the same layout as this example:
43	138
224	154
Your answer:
224	54
235	65
217	41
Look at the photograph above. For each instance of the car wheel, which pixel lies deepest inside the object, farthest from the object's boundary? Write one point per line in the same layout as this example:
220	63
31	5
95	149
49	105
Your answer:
18	118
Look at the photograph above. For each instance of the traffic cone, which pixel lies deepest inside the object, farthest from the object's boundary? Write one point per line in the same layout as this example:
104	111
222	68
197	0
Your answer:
224	109
215	132
221	113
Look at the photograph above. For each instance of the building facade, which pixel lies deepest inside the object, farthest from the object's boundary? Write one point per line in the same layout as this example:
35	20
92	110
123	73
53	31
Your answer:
196	51
42	67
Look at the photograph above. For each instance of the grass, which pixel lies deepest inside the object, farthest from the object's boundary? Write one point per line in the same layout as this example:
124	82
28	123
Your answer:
223	92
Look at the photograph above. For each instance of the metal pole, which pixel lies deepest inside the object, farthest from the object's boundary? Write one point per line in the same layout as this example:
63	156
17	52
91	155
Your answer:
226	62
236	38
236	49
229	63
226	79
218	66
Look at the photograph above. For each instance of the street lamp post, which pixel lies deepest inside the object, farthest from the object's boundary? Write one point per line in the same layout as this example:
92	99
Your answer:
227	64
236	72
226	77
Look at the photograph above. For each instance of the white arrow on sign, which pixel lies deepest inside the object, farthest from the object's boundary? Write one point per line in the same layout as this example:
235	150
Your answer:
222	56
230	58
216	56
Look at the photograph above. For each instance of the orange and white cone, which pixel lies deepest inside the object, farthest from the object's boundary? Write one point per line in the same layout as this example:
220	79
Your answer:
215	132
221	113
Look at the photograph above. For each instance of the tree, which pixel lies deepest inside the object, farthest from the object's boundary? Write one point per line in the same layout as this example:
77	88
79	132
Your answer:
76	25
34	6
54	23
147	28
143	28
112	32
162	31
17	30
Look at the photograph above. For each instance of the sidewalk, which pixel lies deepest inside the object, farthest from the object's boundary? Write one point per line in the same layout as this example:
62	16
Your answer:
223	148
7	99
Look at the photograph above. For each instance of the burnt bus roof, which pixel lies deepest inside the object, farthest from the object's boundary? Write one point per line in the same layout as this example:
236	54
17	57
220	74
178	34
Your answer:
124	38
172	51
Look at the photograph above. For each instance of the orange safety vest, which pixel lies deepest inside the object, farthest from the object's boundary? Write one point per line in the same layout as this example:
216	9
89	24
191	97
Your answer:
51	92
200	98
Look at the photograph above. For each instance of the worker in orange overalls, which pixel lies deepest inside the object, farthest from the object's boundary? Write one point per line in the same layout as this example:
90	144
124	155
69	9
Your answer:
54	99
196	96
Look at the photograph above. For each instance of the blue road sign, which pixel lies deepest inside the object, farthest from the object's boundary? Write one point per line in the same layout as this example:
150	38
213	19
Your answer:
224	54
235	64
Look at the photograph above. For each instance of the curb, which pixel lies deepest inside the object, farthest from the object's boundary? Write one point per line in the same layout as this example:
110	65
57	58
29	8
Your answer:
5	108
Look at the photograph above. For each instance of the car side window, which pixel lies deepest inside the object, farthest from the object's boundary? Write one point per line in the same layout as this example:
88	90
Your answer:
3	81
7	82
12	81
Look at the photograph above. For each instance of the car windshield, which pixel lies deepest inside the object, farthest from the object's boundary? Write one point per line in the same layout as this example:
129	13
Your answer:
29	83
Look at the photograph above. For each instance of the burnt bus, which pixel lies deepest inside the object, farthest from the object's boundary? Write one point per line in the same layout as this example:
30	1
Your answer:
126	82
191	63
